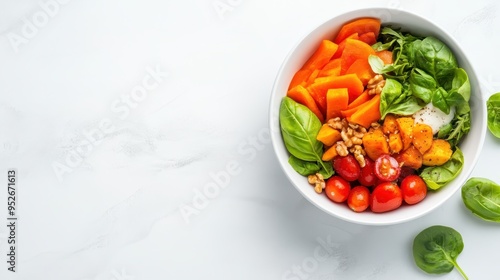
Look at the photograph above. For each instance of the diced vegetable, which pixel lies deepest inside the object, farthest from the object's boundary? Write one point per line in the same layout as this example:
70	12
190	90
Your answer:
368	37
405	127
395	143
375	144
322	55
410	157
385	55
336	101
368	113
300	95
390	124
340	50
300	78
354	50
360	26
438	154
319	88
362	98
362	69
422	137
327	135
330	153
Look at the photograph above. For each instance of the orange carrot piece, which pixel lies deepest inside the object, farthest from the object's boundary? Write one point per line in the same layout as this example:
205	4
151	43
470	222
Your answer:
321	85
360	26
341	47
300	95
300	78
354	50
364	97
336	100
322	55
368	113
330	153
312	77
368	37
386	56
362	69
331	68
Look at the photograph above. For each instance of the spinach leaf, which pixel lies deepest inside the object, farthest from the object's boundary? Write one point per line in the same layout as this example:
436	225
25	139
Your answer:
303	167
456	129
299	127
493	107
444	100
394	99
422	85
436	177
435	58
436	248
482	197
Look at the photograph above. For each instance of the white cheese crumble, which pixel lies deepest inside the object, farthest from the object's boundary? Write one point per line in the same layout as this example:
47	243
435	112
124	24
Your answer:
433	117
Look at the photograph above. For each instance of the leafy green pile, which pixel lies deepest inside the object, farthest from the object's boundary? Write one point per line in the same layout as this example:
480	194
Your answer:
424	71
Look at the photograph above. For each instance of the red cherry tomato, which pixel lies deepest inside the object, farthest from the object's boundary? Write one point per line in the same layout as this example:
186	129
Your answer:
385	197
337	189
387	168
414	189
347	167
359	199
367	176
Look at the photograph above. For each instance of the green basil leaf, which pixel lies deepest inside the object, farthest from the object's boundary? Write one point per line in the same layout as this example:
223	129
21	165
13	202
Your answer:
422	85
482	197
394	99
438	176
299	127
436	248
303	167
376	64
435	58
493	108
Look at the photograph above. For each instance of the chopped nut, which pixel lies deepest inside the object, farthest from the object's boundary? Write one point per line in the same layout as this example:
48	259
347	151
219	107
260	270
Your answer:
335	123
317	181
341	149
376	84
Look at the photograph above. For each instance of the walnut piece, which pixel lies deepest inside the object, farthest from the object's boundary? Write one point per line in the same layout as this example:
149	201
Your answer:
376	84
317	181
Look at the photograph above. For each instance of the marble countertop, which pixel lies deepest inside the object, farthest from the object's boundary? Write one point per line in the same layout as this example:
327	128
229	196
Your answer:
138	133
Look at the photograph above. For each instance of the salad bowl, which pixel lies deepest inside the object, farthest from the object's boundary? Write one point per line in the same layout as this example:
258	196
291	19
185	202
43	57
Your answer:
470	145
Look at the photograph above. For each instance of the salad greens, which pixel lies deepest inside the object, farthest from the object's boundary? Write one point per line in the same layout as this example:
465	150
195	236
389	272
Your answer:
493	107
435	250
482	197
299	127
424	71
436	177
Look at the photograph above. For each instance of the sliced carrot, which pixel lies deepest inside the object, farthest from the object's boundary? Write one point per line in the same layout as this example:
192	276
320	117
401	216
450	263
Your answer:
322	55
368	37
386	56
312	77
336	100
362	69
330	153
360	26
341	47
301	95
364	97
368	113
332	68
354	50
321	85
328	135
300	78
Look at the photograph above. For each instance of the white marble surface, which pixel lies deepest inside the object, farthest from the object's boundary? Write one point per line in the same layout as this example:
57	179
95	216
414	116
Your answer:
116	114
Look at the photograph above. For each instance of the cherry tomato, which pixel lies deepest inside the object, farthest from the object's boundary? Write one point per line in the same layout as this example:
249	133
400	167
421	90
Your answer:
414	189
385	197
405	172
359	199
347	167
387	168
367	176
337	189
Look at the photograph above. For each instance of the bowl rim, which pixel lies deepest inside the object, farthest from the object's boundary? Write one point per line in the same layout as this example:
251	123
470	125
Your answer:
369	12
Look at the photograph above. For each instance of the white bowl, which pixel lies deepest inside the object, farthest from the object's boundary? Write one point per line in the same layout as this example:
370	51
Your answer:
470	146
